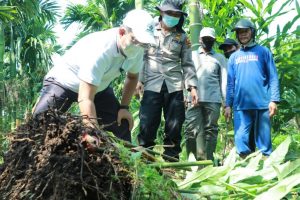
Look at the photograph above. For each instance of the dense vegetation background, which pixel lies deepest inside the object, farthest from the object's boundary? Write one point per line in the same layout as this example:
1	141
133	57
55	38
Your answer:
27	42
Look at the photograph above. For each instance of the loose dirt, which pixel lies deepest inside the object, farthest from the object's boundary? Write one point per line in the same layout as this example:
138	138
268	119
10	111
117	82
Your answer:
47	160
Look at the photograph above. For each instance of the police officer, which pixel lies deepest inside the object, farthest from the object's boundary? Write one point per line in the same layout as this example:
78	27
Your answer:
168	68
252	91
229	46
85	72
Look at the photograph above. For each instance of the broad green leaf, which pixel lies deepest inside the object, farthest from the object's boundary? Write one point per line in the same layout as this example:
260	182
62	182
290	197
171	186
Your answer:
230	160
289	168
278	13
213	6
271	18
238	189
269	7
247	186
240	173
251	7
295	19
264	187
270	173
254	162
259	5
281	189
283	5
208	190
297	7
190	196
287	27
245	162
192	177
277	41
297	171
208	172
279	154
254	181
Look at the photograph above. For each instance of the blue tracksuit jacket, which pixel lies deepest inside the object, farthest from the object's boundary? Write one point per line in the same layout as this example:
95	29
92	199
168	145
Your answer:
252	81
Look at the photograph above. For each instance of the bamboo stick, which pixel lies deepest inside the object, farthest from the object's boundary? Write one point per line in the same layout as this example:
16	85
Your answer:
181	164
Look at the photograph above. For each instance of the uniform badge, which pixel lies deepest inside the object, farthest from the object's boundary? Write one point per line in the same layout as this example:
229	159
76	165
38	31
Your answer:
188	42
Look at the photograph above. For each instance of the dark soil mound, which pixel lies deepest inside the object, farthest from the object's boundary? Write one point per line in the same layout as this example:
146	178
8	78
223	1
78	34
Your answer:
47	160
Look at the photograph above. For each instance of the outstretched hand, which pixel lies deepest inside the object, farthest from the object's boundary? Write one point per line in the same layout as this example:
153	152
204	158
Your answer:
125	114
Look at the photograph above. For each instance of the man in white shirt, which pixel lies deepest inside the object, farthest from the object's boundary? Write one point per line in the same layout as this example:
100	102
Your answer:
85	71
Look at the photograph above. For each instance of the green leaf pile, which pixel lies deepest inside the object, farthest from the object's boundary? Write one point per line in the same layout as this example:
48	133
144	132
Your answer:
255	177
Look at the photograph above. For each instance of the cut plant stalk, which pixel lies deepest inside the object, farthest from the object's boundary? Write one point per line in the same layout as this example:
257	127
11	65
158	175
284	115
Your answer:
225	142
181	164
147	153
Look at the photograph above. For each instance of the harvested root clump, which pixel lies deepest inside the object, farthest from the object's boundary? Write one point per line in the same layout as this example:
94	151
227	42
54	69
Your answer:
47	160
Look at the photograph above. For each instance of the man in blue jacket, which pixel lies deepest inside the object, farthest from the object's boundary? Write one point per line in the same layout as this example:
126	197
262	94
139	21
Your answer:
252	91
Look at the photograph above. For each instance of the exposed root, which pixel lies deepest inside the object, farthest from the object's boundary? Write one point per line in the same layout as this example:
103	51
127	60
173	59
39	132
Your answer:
47	161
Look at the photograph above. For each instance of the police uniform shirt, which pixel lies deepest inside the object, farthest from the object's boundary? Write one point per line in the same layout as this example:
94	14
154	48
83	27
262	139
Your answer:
95	59
171	62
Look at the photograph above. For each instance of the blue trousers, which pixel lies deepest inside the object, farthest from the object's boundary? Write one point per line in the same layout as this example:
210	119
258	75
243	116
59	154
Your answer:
259	122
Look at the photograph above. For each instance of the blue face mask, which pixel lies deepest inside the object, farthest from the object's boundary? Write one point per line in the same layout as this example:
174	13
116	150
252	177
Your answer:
170	21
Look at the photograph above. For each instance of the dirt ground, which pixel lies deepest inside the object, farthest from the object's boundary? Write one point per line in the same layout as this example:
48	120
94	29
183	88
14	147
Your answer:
46	160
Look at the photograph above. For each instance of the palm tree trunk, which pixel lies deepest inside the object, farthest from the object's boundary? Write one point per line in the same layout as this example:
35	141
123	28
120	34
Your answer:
12	70
195	23
12	76
2	47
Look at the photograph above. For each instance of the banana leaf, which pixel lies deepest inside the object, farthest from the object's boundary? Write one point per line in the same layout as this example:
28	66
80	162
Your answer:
281	189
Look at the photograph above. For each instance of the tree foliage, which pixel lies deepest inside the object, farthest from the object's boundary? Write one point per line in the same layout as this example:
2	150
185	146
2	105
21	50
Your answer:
27	42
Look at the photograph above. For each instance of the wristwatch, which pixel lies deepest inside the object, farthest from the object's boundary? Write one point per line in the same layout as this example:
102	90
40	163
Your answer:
123	107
